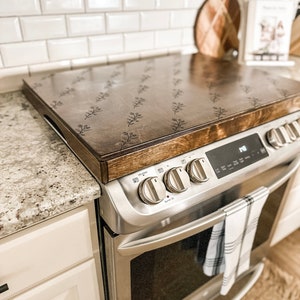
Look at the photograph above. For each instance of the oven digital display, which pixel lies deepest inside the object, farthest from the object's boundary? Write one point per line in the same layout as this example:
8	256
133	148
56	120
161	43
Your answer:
236	155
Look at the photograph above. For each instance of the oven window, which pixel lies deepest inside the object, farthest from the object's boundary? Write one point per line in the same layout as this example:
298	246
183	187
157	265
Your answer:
175	271
172	272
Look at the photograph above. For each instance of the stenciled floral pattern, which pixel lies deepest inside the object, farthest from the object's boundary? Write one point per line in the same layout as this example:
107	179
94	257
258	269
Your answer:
147	100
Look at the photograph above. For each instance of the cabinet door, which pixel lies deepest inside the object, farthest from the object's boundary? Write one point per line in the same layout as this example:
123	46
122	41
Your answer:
289	218
79	283
36	254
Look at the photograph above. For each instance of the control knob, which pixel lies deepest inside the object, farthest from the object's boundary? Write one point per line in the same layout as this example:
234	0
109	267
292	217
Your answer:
152	190
177	180
293	130
278	137
197	170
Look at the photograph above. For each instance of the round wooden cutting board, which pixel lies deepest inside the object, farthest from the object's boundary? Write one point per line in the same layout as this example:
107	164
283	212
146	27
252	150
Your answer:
217	27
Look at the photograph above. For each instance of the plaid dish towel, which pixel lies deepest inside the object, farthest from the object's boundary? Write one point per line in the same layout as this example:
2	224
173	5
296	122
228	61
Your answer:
256	201
231	241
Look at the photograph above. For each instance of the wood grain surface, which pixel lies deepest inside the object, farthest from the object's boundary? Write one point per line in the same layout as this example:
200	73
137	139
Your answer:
121	118
217	26
280	279
295	37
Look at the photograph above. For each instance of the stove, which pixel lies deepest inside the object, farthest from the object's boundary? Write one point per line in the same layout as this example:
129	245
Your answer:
173	141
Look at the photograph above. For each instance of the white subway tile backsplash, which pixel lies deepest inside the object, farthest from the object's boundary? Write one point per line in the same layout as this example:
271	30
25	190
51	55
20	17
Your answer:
123	57
11	79
139	41
155	52
188	36
189	49
88	24
153	20
26	53
193	3
50	67
67	48
122	22
43	27
19	7
184	18
37	36
169	4
106	44
62	6
175	50
103	5
168	38
10	30
139	4
88	61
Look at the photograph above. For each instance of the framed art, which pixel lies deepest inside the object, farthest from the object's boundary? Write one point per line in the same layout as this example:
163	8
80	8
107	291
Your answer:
266	33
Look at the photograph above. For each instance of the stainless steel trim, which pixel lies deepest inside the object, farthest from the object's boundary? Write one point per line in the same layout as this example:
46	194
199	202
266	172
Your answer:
211	290
171	236
256	272
189	229
284	176
125	213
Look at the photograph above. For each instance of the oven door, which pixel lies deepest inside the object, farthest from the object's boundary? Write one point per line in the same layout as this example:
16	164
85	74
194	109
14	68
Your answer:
165	262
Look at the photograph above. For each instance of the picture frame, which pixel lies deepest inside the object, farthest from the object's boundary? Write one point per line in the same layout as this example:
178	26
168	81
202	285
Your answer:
266	32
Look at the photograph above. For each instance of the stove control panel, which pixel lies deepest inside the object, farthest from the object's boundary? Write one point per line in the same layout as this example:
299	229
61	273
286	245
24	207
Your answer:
236	155
181	177
153	190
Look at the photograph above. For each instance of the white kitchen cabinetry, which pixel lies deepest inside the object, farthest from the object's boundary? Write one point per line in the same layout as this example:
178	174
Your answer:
289	219
79	283
52	260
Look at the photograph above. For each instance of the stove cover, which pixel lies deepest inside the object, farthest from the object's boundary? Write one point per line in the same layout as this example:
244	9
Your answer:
153	109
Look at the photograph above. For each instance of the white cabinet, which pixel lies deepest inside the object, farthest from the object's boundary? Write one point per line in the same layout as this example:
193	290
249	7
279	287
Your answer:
51	260
289	219
79	283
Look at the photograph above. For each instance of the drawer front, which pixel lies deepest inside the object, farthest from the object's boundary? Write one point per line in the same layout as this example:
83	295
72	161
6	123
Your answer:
33	255
78	283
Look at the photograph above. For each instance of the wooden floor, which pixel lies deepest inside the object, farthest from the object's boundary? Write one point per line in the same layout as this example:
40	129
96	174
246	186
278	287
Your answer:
286	254
280	279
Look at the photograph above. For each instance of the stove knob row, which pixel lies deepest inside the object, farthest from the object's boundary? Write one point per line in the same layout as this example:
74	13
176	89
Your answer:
283	135
176	180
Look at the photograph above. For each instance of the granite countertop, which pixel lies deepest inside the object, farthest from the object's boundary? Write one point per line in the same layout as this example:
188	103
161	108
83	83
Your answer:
40	177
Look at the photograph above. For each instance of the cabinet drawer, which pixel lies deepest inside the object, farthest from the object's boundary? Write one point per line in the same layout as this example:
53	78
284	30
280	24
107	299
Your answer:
33	255
79	283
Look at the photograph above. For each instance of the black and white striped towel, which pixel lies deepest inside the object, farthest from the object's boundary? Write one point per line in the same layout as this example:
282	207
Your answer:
231	241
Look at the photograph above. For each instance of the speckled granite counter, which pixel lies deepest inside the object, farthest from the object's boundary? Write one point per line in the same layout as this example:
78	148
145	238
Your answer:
40	177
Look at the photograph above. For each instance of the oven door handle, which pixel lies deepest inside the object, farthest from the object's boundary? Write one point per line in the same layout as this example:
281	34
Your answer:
285	175
149	243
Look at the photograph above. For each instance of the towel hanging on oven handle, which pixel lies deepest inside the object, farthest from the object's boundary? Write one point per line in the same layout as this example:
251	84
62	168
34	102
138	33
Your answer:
149	243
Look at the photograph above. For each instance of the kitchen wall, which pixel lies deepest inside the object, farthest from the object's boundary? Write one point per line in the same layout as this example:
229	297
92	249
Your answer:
53	35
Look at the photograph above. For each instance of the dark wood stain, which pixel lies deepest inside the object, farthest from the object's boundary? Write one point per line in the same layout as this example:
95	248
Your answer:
121	118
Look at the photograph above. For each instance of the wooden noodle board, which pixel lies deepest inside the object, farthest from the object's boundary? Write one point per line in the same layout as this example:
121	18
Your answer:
123	117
